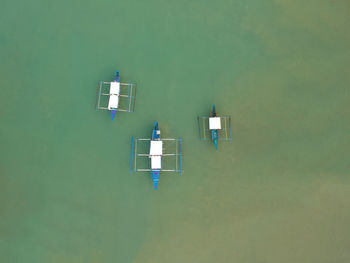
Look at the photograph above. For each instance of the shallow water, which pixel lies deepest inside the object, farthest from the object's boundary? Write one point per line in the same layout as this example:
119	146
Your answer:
278	193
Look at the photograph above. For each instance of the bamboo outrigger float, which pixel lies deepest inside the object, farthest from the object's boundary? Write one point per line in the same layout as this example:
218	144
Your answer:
121	96
217	128
165	155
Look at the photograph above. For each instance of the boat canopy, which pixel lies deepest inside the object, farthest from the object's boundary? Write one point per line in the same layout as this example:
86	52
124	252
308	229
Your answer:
156	162
113	102
214	123
114	88
114	93
156	148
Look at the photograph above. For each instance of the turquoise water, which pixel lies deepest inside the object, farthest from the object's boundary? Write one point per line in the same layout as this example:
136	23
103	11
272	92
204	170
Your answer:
278	192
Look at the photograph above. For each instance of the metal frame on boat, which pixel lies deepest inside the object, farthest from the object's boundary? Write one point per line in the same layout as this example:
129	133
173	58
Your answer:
214	127
116	96
156	155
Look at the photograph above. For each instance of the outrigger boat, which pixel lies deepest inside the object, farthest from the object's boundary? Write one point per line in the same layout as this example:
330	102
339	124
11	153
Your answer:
215	127
165	155
121	96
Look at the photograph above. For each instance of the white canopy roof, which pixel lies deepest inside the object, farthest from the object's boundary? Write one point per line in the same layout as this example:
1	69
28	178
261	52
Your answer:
113	102
214	123
156	148
114	88
114	95
156	162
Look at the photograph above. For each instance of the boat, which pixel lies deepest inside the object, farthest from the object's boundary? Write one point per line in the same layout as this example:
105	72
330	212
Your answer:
215	128
121	96
158	160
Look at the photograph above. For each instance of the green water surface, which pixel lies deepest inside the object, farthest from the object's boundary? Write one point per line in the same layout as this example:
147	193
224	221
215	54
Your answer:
278	193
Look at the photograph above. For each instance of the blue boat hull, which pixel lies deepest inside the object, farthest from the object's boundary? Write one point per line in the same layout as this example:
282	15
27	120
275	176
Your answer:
155	136
113	114
215	133
155	177
117	78
215	136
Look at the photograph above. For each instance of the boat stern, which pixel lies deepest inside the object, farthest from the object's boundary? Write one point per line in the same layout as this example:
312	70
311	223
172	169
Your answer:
215	136
113	114
155	177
